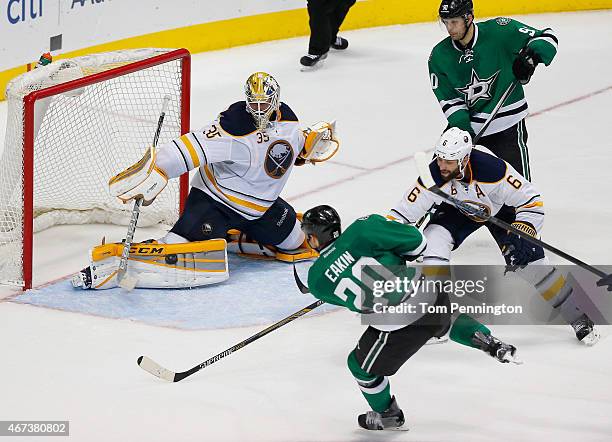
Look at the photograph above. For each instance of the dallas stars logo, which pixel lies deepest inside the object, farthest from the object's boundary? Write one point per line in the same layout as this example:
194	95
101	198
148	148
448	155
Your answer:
477	88
467	57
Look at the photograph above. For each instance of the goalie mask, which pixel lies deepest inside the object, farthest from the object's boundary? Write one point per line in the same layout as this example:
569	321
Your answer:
262	98
455	144
322	222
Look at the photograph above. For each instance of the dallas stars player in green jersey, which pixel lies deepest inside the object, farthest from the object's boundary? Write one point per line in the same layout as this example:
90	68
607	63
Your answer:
472	68
343	275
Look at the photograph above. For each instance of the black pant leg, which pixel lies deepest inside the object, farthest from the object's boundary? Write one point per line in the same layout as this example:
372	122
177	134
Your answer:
338	15
203	218
383	353
511	146
457	223
274	226
320	26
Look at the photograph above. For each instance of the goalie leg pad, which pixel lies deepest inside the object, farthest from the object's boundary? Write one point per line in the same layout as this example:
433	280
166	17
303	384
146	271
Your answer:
293	248
159	265
241	244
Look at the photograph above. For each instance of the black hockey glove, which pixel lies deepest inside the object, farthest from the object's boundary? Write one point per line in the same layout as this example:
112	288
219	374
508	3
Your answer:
606	280
519	252
524	65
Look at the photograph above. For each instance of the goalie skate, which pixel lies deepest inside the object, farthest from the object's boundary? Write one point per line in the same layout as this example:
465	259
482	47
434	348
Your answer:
82	279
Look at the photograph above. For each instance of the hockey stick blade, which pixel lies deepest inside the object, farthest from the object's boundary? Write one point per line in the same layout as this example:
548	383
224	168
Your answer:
301	286
148	364
128	281
157	370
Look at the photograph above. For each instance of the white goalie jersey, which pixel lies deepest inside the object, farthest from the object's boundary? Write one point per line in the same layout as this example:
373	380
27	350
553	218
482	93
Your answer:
237	165
489	183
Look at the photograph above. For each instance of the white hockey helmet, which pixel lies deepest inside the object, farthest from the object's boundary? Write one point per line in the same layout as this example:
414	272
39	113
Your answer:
454	144
262	98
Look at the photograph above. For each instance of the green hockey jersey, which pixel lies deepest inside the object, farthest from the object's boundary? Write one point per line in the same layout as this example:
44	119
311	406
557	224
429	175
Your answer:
469	83
369	250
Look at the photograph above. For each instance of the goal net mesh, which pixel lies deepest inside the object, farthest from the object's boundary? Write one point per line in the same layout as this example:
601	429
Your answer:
81	138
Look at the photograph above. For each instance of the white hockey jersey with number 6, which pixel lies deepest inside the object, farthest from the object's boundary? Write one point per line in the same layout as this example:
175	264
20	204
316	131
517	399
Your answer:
488	183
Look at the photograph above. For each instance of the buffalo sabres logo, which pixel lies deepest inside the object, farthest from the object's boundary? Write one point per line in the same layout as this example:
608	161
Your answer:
483	208
478	89
278	159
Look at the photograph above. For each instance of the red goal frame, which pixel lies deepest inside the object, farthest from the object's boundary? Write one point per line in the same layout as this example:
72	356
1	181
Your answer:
28	136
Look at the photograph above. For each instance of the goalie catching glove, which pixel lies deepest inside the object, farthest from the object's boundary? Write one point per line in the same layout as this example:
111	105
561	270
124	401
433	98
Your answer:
320	144
141	180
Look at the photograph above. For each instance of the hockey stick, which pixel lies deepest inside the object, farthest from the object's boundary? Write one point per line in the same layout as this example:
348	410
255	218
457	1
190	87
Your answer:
155	369
301	286
422	164
126	280
496	109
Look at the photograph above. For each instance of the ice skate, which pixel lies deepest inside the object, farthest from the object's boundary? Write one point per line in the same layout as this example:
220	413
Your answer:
390	419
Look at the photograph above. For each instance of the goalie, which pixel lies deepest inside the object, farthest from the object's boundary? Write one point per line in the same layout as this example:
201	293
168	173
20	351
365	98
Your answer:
243	161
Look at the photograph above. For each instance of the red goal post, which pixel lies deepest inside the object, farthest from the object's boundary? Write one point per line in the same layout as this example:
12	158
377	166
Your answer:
84	121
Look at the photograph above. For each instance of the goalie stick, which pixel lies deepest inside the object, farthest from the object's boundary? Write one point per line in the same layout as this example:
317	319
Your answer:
155	369
422	164
126	280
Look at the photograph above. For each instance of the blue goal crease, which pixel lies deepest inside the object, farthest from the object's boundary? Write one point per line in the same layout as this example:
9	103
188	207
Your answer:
257	292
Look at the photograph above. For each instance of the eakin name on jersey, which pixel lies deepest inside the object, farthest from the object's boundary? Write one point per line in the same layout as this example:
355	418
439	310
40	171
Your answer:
488	183
241	167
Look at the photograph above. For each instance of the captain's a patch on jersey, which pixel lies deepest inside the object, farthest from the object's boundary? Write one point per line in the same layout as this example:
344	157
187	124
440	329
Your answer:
502	21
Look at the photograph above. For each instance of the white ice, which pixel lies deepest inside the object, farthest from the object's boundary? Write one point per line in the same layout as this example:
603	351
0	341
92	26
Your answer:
293	384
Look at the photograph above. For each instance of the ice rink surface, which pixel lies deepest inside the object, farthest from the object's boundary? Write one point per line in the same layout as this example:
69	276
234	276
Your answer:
293	385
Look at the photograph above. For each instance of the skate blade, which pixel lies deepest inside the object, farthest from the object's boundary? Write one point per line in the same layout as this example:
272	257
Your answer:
591	339
513	359
317	66
400	428
403	427
434	340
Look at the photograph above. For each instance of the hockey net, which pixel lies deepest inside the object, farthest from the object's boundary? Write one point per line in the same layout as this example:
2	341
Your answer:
73	124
